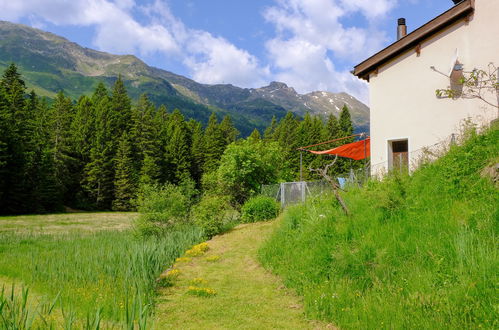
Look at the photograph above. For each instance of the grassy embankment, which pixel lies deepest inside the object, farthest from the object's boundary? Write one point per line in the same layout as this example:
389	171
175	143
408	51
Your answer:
98	274
418	252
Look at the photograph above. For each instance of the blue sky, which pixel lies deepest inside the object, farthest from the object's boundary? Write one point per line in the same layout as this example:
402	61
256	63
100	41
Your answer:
308	44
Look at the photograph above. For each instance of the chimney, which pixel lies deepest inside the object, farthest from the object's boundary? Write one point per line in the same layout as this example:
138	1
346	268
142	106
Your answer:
401	28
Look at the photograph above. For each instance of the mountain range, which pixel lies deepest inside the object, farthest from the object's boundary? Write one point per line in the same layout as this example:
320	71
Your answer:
50	63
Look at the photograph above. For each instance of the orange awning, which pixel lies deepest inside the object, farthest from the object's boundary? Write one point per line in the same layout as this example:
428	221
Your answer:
356	150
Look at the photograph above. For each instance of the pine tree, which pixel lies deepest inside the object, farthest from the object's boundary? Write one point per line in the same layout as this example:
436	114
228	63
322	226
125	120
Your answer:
13	143
346	129
178	149
214	145
270	130
229	132
332	129
124	184
345	123
98	177
61	116
197	150
255	136
145	142
47	195
82	128
121	110
286	134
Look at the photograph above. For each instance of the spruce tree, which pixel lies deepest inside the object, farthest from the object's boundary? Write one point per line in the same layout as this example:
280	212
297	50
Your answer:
178	149
145	142
345	123
270	130
255	136
124	184
229	132
61	116
286	134
332	129
197	150
98	178
121	110
214	144
13	144
346	129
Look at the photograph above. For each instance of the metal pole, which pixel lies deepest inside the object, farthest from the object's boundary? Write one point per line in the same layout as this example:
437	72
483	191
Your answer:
301	165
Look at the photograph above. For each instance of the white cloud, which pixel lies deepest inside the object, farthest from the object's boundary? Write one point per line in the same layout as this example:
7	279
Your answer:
311	36
215	60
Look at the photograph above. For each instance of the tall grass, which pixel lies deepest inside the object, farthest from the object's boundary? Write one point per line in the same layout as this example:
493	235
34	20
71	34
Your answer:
103	275
419	252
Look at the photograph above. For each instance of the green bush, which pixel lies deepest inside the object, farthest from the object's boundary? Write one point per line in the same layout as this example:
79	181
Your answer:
161	208
245	166
214	214
259	208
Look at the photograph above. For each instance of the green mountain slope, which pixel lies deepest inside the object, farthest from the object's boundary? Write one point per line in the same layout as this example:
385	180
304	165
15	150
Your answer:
51	63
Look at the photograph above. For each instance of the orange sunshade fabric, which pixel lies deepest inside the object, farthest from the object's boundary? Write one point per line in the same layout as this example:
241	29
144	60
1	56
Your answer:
356	150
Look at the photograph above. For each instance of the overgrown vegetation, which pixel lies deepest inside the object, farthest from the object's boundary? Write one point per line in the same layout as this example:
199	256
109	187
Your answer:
109	273
417	252
259	208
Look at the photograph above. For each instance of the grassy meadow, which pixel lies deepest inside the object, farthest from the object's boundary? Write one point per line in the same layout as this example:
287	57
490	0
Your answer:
90	266
418	252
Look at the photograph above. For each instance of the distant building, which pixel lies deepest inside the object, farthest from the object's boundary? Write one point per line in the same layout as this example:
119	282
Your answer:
406	114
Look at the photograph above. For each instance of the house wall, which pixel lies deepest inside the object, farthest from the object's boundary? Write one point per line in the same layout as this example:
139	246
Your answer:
402	94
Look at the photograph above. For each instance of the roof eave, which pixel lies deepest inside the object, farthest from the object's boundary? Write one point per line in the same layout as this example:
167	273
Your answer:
456	13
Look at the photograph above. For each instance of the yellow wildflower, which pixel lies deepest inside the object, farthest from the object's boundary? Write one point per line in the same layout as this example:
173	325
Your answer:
213	258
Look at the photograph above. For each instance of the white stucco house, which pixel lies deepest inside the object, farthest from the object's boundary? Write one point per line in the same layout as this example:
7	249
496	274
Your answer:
406	114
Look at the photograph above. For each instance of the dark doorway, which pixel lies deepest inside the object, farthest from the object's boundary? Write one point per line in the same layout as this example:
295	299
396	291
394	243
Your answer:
398	155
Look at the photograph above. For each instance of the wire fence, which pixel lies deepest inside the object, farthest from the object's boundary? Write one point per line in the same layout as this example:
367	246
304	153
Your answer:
288	193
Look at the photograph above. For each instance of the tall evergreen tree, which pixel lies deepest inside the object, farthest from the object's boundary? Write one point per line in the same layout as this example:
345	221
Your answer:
61	116
286	134
125	183
145	141
255	136
98	179
121	109
229	132
332	129
214	144
270	130
197	150
13	143
345	122
178	148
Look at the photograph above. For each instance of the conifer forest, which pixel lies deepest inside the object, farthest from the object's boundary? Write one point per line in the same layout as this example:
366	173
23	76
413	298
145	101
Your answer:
98	151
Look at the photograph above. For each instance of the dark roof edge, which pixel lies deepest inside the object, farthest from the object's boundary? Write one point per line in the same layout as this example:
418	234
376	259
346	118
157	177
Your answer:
414	38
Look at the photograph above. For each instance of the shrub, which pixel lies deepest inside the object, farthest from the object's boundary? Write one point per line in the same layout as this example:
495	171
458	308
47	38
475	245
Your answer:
161	208
246	165
214	214
259	208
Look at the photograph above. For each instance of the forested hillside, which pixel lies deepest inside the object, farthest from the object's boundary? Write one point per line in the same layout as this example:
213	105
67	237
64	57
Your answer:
97	151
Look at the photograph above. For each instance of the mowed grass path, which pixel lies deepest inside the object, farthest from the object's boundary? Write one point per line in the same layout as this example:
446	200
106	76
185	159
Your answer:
248	296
